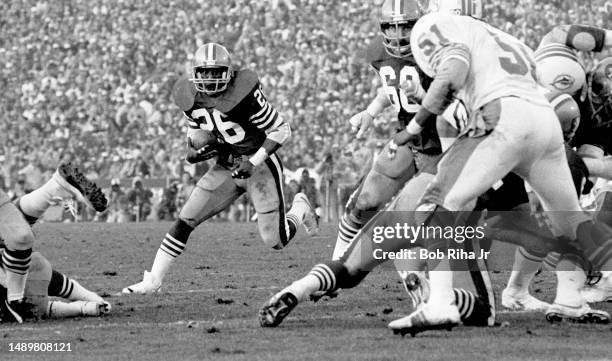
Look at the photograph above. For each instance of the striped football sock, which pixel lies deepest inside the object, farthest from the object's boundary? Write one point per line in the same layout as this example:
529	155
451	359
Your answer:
172	246
347	230
16	264
320	278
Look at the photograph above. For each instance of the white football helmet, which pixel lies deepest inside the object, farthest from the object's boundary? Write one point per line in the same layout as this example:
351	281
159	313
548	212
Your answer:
211	68
473	8
559	69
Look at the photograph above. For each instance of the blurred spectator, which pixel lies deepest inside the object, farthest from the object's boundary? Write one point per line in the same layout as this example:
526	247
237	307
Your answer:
139	200
292	189
185	188
94	78
118	208
18	190
167	208
309	187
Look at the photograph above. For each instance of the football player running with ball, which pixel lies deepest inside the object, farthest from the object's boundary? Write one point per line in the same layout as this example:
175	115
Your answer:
230	104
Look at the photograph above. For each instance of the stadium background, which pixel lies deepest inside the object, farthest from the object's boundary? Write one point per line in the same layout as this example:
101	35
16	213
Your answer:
90	81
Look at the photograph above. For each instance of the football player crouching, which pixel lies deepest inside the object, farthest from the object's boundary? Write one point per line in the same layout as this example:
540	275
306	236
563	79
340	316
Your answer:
230	118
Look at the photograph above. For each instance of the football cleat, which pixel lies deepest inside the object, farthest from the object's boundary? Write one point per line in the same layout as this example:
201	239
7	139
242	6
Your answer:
73	183
310	220
522	303
149	284
427	317
275	311
89	308
599	292
315	297
578	314
416	285
17	311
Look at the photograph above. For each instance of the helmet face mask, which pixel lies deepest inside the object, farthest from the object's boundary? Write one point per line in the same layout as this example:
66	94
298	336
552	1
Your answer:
397	18
211	69
600	92
211	80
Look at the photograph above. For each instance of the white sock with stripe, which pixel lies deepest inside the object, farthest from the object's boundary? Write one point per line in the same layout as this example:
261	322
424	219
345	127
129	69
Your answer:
172	246
16	264
167	252
320	278
348	228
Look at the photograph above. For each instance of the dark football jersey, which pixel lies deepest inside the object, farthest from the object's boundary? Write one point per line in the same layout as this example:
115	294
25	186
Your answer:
393	71
239	116
593	129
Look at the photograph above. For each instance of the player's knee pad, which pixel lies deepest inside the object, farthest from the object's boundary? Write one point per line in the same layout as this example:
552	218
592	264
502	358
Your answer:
367	201
271	230
21	238
40	268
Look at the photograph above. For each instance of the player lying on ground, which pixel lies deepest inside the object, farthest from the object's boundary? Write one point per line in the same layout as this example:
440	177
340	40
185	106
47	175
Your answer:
67	183
228	109
43	282
512	128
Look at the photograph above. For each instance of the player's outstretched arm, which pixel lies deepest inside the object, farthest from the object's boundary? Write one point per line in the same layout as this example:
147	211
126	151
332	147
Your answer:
580	37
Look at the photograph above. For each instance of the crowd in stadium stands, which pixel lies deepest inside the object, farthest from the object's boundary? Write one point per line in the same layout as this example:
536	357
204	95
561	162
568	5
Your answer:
90	80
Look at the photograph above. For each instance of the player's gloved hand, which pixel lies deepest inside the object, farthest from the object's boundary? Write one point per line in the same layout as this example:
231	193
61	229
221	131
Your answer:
400	138
199	155
244	170
360	123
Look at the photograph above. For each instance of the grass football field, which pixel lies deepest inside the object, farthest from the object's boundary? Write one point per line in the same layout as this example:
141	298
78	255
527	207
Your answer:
207	309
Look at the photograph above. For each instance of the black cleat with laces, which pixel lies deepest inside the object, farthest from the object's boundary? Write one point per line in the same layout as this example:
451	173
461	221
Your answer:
89	191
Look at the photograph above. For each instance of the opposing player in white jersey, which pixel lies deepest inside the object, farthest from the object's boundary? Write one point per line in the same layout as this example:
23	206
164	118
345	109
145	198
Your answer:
512	127
559	70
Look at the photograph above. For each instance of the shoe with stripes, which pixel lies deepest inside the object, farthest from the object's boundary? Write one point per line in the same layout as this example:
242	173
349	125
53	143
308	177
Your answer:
73	183
428	317
522	303
149	284
579	314
275	311
311	219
